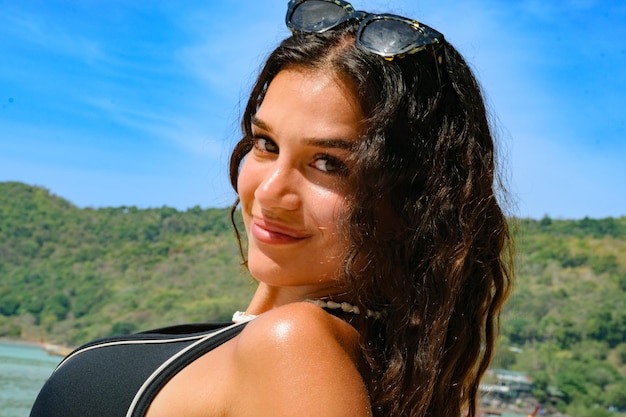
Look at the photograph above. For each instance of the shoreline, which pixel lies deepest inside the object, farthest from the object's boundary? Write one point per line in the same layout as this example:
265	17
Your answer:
50	348
19	342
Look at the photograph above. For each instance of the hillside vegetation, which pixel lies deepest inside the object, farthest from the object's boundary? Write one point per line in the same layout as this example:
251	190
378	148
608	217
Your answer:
68	275
566	321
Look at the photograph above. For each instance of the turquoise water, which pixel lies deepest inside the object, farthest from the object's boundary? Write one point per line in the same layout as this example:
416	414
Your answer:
23	371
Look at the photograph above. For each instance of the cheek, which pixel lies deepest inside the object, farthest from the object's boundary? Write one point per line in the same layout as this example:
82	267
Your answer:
329	204
328	213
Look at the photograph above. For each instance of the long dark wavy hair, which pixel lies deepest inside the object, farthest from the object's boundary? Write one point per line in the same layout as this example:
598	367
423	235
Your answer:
429	243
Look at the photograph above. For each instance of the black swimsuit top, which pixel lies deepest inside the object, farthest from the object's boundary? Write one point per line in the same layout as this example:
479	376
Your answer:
120	376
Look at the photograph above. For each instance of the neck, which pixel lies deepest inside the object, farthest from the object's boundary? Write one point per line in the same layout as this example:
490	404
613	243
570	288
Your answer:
267	297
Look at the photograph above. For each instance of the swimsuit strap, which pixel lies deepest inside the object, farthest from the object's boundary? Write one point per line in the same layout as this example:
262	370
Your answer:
175	364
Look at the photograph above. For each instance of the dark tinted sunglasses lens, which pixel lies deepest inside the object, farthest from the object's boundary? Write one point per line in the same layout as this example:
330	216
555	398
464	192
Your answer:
317	16
390	37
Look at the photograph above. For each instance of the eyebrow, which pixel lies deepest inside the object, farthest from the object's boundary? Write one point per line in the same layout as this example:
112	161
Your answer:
327	143
260	123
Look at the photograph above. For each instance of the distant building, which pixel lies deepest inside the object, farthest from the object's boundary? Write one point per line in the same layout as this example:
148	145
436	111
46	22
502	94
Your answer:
507	385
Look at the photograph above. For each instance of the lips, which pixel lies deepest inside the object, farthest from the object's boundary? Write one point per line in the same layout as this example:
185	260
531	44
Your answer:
271	232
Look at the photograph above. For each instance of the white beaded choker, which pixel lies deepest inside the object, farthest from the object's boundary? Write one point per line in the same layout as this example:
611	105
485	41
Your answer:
346	308
241	317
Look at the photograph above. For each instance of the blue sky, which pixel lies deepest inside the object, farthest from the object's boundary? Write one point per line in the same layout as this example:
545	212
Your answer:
136	103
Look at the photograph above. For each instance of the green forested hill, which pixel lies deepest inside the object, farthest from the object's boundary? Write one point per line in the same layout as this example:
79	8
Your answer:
68	275
566	321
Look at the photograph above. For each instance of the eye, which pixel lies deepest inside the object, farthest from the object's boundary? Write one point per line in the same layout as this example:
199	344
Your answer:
329	165
264	145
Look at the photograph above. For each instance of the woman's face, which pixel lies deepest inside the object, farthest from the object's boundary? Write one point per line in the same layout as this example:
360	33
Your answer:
291	184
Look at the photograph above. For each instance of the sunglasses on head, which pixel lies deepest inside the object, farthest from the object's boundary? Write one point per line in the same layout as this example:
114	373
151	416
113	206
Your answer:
387	35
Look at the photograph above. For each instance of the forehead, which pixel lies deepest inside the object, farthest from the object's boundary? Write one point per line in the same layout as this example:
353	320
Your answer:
298	93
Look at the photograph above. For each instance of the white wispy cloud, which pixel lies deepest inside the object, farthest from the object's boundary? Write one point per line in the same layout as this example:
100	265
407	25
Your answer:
52	35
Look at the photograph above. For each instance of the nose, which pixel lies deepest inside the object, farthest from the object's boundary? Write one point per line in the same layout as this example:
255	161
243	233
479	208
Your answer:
278	190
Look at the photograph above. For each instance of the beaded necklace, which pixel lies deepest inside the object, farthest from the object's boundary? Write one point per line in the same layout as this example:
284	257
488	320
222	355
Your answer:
240	316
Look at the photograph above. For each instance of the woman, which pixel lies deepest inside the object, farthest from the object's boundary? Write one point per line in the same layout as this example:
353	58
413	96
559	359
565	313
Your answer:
365	178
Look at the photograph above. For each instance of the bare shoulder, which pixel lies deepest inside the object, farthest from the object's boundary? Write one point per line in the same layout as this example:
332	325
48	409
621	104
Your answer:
298	325
299	360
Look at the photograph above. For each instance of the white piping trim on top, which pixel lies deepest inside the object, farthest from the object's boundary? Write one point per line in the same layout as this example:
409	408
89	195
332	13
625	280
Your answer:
165	364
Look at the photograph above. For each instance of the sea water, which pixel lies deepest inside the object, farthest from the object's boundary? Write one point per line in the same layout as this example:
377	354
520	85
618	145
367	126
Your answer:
23	371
